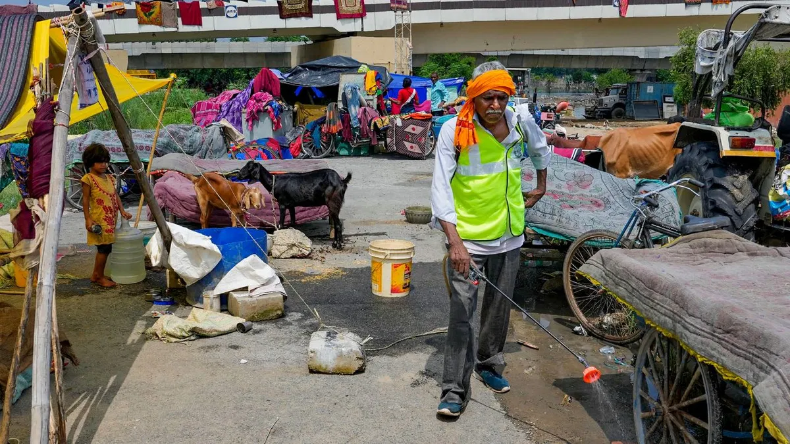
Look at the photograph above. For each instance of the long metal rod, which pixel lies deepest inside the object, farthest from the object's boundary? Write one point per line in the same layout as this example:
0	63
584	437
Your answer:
153	148
475	273
121	126
39	411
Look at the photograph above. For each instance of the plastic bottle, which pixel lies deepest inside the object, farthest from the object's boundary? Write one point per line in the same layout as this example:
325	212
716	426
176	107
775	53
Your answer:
127	260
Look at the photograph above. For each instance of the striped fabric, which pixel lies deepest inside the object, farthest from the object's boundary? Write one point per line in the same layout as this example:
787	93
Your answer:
16	35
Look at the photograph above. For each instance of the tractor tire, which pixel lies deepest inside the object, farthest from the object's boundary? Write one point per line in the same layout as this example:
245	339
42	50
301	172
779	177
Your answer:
618	113
726	191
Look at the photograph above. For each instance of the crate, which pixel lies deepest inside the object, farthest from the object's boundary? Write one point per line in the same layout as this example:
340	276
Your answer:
345	149
235	245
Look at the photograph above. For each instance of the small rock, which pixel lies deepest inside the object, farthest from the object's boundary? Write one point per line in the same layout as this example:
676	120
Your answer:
335	353
529	370
290	243
243	361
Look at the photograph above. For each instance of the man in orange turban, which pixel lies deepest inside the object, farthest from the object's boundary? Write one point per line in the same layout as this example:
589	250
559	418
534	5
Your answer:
477	200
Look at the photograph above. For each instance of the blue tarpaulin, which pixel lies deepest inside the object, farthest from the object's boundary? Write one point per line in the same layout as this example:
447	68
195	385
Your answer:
423	86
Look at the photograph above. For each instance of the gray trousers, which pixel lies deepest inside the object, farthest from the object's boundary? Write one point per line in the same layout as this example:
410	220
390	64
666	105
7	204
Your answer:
459	353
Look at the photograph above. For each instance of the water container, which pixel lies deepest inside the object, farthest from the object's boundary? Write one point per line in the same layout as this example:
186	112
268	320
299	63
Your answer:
127	260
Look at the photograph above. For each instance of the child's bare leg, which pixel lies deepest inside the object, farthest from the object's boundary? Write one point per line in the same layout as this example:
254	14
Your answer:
98	275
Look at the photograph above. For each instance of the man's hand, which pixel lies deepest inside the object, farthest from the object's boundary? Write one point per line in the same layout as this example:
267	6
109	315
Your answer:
533	196
460	258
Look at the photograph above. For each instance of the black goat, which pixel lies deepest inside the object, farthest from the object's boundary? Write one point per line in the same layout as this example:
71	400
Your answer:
313	189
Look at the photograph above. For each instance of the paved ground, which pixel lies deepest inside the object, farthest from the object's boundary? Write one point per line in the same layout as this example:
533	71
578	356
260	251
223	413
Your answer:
132	390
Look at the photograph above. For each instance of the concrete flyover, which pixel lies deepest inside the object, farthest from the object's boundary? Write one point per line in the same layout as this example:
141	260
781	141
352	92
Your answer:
185	55
188	55
441	26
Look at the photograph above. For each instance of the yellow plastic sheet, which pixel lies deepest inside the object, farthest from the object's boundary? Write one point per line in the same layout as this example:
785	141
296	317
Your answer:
49	42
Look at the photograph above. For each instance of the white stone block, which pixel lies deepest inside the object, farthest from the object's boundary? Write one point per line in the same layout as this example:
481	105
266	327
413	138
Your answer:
335	353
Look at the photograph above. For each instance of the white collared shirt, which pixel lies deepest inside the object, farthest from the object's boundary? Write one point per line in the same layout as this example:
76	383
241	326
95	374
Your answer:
442	202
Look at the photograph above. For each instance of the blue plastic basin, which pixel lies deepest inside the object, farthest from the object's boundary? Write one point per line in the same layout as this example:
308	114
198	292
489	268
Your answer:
235	245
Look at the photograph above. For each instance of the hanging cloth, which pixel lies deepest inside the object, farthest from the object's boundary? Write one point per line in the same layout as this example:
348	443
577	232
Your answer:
190	13
149	13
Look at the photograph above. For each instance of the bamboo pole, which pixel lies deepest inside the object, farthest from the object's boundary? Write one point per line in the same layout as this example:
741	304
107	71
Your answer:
122	128
13	369
59	429
153	146
40	411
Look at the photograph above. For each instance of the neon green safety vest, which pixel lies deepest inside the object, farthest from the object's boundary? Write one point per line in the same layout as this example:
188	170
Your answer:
487	188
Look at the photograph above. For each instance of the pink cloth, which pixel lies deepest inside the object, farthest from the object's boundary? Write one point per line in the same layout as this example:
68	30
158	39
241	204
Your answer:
205	112
266	81
176	193
260	101
424	107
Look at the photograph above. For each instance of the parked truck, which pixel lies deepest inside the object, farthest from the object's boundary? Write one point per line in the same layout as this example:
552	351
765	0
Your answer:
635	100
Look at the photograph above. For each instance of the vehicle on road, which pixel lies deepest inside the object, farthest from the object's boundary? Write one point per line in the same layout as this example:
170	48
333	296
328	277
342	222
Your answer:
635	100
735	164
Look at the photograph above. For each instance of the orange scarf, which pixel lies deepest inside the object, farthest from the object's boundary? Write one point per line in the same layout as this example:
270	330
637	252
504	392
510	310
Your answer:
497	80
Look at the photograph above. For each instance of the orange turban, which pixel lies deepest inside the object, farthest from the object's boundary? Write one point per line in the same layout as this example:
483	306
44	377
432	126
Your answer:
497	80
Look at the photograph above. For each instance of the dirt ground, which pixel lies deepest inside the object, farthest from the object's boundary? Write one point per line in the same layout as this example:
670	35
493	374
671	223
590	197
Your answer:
128	389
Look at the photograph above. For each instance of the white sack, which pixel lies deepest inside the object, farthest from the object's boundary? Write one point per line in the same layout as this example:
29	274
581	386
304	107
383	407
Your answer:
192	255
253	274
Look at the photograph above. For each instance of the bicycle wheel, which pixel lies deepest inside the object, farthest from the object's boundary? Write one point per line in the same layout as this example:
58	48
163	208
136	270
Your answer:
430	144
325	147
74	185
675	397
599	313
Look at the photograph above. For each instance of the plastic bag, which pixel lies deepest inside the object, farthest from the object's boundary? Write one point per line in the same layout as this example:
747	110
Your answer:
192	255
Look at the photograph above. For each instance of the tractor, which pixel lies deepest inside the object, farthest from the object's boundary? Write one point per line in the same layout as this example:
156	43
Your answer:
736	164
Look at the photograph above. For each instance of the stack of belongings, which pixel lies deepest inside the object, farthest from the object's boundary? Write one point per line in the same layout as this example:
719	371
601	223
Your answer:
205	112
356	116
265	82
410	135
278	147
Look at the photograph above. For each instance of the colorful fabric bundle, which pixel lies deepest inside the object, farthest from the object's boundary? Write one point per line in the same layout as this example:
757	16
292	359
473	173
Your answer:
345	9
214	4
263	101
366	116
205	111
352	101
295	8
149	13
408	137
266	81
6	10
231	110
16	35
40	152
190	13
20	165
332	125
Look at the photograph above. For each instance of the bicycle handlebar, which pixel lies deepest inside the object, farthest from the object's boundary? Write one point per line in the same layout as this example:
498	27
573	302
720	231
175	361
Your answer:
646	196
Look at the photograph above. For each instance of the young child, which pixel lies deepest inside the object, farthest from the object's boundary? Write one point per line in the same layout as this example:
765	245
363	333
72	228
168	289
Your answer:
100	203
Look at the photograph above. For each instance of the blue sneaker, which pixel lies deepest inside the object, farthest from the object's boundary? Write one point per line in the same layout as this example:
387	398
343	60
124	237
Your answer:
449	409
493	380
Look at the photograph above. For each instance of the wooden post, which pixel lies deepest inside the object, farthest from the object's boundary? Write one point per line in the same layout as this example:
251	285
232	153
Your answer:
153	146
13	369
124	133
40	411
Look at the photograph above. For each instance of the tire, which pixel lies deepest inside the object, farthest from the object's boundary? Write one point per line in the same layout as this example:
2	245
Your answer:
727	191
430	144
659	407
73	185
324	148
618	113
599	313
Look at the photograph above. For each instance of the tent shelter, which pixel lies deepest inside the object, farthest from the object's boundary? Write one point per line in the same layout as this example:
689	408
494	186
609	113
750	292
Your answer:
320	78
48	44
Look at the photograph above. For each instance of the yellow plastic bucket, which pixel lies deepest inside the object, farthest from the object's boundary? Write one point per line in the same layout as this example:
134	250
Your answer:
390	267
20	277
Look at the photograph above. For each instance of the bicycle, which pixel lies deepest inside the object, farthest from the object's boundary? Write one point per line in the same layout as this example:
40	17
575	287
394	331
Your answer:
598	312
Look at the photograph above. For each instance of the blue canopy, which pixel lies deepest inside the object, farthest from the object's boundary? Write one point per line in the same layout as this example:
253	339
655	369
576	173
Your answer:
423	86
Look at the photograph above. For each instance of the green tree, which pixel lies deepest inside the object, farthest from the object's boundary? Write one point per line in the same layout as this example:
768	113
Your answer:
663	75
682	72
288	38
448	65
213	81
613	76
762	72
240	39
582	76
